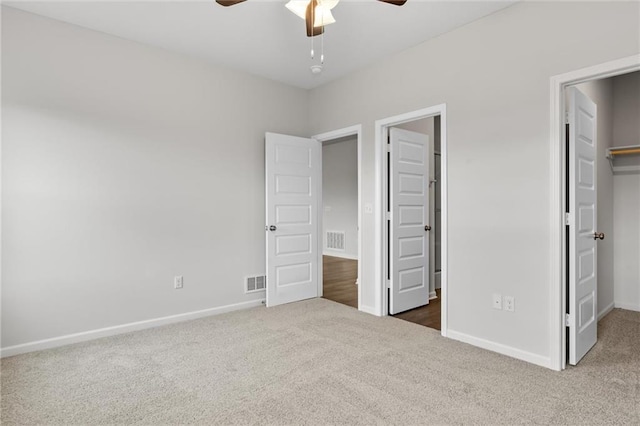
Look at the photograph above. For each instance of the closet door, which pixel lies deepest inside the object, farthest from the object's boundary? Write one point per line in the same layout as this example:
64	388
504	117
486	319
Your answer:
583	285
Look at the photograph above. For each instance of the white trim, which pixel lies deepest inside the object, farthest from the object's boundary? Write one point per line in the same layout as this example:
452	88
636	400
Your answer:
320	242
123	328
500	348
557	293
340	254
368	309
605	311
432	213
627	306
444	220
381	127
328	136
1	174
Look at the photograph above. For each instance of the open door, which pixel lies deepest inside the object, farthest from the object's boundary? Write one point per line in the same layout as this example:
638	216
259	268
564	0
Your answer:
293	168
409	224
582	220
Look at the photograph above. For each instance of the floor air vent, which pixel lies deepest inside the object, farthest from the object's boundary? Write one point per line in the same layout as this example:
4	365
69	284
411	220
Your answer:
258	283
335	240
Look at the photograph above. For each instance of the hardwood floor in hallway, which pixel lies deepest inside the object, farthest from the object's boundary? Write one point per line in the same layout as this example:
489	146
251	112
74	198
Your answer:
428	315
339	285
339	280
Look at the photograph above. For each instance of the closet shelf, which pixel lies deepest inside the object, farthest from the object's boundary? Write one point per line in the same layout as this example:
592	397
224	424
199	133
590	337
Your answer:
631	155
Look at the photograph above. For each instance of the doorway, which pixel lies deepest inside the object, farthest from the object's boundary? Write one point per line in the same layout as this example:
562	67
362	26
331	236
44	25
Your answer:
294	215
340	215
407	216
589	162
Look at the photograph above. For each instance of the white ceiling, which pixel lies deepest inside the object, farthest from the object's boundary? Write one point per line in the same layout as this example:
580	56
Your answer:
262	37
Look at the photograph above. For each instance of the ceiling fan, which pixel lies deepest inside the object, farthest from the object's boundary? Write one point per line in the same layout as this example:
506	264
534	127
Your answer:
316	13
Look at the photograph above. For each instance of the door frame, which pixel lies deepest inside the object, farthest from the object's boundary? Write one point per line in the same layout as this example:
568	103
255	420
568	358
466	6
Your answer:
355	130
558	294
381	131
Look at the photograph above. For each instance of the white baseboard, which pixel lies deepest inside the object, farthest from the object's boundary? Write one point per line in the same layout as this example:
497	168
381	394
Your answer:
433	295
501	349
627	306
120	329
438	279
368	310
605	311
340	254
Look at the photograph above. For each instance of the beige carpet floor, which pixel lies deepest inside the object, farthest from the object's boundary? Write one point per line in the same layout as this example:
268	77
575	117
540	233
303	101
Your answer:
316	362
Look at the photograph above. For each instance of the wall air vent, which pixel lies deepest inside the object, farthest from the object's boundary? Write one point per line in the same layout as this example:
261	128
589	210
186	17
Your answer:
335	240
257	283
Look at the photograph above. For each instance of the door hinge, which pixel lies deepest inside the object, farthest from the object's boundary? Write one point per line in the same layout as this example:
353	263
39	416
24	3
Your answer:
388	147
387	215
388	283
567	320
566	117
568	219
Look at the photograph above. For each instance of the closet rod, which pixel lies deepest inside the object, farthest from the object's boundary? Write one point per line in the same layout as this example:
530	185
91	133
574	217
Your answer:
625	151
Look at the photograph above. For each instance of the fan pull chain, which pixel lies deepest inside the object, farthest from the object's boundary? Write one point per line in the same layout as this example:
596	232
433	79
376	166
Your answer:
322	47
312	53
312	20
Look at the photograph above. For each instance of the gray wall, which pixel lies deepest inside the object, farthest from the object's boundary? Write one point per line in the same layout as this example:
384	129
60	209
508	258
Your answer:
626	119
601	92
340	194
494	75
626	131
124	165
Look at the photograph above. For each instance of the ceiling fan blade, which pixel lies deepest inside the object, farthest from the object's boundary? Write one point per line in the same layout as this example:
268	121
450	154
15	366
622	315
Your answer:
310	18
227	3
396	2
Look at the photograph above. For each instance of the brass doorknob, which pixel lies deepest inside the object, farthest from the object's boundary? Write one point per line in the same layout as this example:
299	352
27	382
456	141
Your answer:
598	235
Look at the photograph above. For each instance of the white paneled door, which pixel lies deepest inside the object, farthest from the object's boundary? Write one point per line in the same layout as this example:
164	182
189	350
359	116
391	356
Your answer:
293	184
582	222
409	220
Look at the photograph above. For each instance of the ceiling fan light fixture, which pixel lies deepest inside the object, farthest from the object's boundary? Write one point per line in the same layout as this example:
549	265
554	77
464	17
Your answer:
298	7
323	15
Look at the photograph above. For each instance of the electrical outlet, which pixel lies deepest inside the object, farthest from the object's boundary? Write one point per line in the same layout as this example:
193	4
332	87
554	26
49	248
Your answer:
509	303
497	301
177	282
